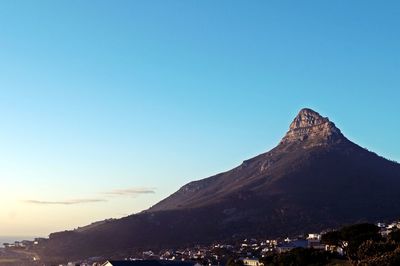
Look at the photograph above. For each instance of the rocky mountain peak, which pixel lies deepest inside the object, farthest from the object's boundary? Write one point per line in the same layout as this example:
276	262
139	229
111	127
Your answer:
309	124
307	118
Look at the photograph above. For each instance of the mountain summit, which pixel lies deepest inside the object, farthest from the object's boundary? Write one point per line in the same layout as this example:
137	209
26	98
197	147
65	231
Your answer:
314	179
307	118
309	124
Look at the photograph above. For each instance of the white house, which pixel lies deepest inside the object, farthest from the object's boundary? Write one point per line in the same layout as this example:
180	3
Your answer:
252	262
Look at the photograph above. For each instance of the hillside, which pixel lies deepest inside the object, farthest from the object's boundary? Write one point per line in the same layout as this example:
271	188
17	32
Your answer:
313	179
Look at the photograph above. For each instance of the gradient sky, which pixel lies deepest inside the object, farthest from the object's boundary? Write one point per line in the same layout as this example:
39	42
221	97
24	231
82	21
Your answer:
109	106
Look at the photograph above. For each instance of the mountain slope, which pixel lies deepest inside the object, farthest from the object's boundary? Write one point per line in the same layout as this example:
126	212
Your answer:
315	178
313	159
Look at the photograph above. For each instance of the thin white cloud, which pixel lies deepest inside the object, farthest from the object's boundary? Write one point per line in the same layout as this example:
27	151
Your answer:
64	202
129	192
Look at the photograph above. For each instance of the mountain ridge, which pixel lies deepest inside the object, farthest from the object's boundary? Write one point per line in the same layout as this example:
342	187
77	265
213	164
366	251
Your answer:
308	129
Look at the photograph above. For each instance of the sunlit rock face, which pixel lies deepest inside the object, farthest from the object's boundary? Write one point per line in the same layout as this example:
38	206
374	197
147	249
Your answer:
309	125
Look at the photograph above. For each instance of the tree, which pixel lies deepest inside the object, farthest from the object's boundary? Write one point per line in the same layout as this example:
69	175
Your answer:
332	238
351	237
387	259
298	256
370	249
395	236
234	262
354	235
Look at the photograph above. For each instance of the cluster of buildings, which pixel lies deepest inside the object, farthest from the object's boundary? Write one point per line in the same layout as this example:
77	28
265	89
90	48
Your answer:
23	243
385	229
248	251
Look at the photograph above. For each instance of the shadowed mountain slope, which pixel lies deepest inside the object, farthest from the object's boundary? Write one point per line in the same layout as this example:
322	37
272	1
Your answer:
314	179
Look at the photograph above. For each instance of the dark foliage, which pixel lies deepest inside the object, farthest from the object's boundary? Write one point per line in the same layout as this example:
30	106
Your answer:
395	236
364	245
386	259
298	257
356	235
234	262
332	238
370	249
350	238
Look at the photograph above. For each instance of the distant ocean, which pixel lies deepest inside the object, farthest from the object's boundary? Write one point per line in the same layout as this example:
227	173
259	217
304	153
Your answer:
12	239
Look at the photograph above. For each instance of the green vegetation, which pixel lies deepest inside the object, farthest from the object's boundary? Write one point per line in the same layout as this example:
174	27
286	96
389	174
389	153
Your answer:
350	238
299	256
362	245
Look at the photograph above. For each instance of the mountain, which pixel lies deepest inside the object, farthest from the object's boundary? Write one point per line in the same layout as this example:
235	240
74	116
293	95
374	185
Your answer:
314	179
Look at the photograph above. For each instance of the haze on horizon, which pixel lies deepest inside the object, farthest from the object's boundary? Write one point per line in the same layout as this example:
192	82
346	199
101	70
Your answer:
108	108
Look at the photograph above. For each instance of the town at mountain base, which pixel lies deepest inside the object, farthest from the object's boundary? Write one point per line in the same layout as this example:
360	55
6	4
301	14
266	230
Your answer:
314	179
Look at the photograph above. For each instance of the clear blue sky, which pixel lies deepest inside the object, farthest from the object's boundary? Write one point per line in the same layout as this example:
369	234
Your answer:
103	101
